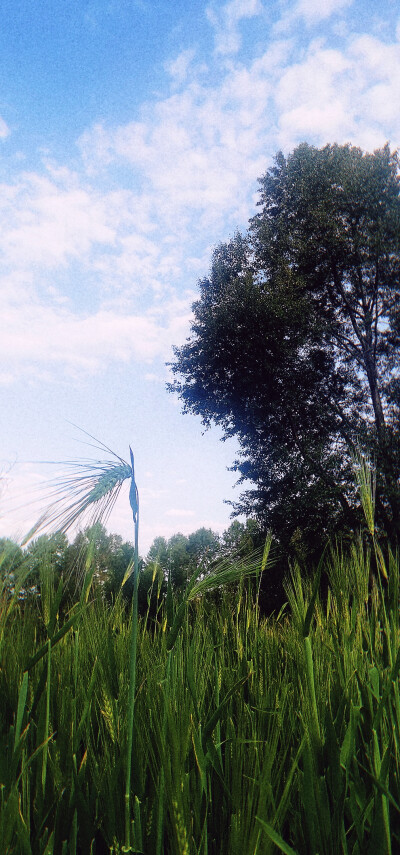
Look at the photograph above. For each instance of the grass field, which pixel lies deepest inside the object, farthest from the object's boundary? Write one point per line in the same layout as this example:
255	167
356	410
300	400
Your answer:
250	734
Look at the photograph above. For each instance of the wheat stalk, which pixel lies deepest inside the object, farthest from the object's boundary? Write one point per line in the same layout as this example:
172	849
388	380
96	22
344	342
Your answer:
92	487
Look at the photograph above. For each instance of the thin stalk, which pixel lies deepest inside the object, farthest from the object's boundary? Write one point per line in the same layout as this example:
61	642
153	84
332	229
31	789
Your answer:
161	785
311	689
47	719
134	501
93	488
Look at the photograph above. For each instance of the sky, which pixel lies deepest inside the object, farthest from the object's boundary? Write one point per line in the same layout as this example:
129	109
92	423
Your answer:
132	135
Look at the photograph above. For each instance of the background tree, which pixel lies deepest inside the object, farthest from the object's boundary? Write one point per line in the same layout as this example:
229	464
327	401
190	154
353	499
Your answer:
48	558
53	554
203	546
11	558
295	343
181	554
242	539
110	554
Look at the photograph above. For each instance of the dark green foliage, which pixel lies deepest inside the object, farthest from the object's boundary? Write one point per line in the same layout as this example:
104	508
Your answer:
295	342
242	538
52	557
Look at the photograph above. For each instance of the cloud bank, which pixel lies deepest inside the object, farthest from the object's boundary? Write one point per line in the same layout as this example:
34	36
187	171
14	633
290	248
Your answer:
100	256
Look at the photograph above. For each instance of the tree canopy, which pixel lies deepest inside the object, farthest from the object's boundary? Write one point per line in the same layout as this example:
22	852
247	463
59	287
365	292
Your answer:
294	347
181	554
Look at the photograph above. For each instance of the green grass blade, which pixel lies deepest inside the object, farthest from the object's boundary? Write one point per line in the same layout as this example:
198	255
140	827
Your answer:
216	715
47	718
23	691
56	638
276	838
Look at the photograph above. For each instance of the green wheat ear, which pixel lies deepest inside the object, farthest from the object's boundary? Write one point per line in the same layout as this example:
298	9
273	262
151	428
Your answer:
88	490
365	477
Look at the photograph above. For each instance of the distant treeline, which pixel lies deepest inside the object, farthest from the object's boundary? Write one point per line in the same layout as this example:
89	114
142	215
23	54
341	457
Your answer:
175	557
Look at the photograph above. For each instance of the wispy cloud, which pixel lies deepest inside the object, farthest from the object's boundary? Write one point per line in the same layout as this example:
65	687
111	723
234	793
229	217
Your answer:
179	512
226	20
97	261
178	68
191	153
310	12
315	10
48	219
38	338
344	96
4	129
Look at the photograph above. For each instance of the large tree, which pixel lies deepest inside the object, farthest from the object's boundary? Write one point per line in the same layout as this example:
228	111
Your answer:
295	341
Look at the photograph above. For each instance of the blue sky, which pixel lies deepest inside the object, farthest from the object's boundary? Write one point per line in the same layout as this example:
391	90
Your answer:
132	134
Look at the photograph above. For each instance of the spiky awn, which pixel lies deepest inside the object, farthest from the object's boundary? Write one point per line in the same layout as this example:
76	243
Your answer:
88	491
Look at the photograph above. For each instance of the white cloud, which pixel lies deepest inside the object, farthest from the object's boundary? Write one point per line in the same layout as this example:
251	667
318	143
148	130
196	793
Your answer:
54	220
37	335
4	129
178	68
226	20
311	11
6	378
198	151
311	98
20	495
342	96
317	10
186	170
179	512
46	221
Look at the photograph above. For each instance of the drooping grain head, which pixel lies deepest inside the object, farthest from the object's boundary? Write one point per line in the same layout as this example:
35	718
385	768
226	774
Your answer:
107	482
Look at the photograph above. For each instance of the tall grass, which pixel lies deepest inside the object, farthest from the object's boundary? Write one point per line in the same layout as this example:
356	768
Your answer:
232	734
250	734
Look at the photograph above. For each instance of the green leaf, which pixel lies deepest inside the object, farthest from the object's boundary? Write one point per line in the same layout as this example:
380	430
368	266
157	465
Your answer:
216	715
55	607
348	746
21	708
308	797
309	613
333	768
88	700
276	838
169	603
56	638
191	682
178	621
388	689
201	759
